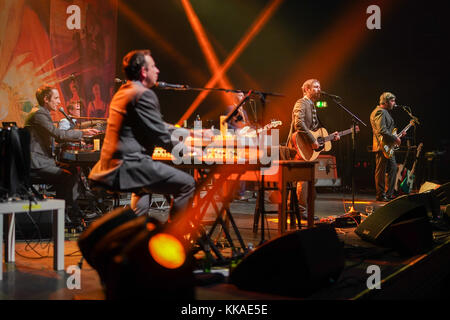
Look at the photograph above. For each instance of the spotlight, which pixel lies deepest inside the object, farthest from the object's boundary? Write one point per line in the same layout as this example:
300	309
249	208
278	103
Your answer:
137	258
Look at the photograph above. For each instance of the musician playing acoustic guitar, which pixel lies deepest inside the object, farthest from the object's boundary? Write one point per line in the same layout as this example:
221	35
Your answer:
383	133
305	120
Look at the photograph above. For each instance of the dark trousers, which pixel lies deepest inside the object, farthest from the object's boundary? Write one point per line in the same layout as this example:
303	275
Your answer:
65	181
178	184
385	173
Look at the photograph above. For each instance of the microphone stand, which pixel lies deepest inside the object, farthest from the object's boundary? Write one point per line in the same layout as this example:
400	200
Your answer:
414	118
355	120
235	110
259	210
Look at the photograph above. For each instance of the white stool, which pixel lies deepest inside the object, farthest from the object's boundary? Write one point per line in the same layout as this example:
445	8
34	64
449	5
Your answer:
57	207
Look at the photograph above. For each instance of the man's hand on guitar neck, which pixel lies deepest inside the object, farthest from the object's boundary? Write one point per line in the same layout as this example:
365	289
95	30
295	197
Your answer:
336	136
398	141
315	145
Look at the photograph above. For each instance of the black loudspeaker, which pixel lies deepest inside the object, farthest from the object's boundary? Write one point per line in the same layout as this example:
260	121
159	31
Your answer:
295	264
402	224
98	230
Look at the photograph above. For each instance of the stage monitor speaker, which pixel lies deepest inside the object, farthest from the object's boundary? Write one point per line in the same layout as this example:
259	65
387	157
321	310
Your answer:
426	186
402	224
295	264
443	194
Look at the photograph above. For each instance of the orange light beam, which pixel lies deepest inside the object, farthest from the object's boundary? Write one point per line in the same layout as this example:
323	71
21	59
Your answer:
206	47
148	31
268	11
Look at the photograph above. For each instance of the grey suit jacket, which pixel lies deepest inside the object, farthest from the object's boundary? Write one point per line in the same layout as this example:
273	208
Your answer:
382	127
40	125
302	119
135	126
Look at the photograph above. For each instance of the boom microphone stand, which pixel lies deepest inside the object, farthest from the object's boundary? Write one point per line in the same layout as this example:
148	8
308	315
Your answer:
355	120
259	210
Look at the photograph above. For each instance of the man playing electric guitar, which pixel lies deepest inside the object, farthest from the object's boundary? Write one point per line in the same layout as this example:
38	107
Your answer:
305	120
383	133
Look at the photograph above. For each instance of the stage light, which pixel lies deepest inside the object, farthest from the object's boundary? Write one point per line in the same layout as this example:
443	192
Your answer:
254	29
167	250
136	257
206	47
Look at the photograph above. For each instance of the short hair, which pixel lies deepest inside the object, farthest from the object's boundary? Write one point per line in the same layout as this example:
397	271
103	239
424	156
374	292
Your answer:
385	97
308	84
45	91
133	62
72	105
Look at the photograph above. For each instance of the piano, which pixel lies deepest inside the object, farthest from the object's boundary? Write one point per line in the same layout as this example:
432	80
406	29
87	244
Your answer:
80	157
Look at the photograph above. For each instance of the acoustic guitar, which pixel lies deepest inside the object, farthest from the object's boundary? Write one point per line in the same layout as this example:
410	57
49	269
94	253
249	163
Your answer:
304	148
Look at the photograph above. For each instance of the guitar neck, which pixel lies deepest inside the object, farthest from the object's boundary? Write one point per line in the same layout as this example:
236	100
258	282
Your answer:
341	133
417	157
404	130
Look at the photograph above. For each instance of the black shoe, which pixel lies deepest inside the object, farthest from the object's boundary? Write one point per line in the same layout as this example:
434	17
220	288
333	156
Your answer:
383	199
75	224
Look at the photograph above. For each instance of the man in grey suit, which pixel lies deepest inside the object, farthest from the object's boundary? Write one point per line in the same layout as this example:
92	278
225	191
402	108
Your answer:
135	127
43	134
305	120
382	127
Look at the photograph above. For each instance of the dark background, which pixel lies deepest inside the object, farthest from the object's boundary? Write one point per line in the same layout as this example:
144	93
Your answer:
408	57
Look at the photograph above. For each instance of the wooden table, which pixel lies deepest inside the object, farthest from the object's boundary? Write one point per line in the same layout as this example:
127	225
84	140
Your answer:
282	172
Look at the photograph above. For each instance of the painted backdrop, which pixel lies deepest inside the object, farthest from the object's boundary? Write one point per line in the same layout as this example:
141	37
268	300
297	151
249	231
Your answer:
68	44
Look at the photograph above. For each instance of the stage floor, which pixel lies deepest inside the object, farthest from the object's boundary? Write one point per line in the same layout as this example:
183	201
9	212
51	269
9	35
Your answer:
32	275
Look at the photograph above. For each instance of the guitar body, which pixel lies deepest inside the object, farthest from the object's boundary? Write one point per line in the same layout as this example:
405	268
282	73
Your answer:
401	171
388	150
408	183
304	148
401	174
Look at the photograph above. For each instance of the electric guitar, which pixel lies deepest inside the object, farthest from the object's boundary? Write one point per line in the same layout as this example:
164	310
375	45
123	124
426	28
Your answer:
304	148
407	184
402	170
388	149
250	132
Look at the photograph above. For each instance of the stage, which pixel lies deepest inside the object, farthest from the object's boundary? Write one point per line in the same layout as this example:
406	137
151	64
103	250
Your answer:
421	276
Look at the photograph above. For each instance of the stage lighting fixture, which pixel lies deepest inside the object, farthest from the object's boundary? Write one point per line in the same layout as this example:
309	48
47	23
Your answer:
167	250
137	258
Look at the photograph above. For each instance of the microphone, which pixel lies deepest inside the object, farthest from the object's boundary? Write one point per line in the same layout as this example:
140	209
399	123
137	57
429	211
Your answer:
330	95
61	109
170	86
117	80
